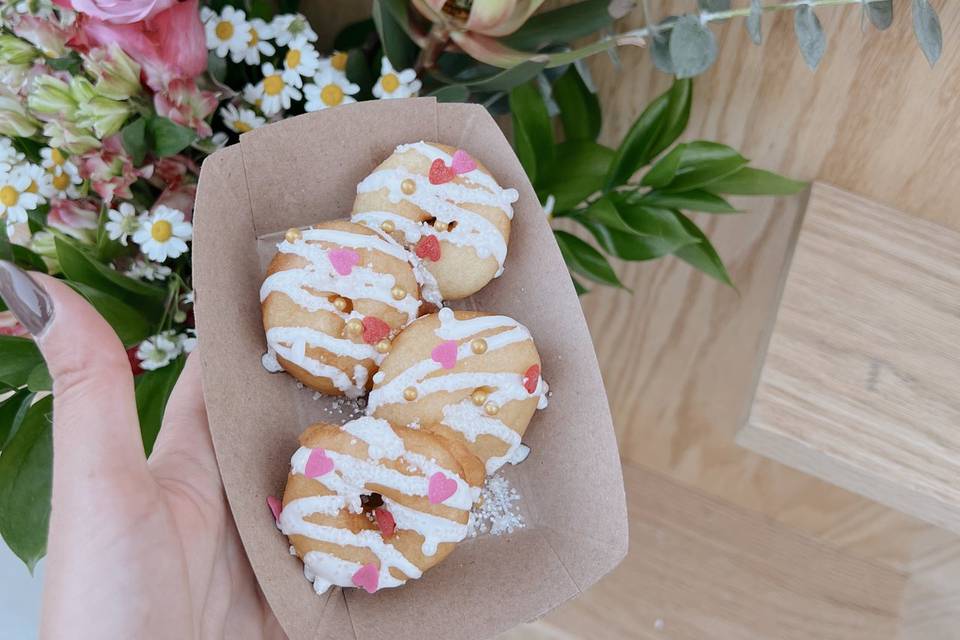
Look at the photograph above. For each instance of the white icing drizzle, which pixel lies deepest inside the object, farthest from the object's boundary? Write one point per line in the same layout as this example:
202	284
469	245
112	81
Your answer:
429	288
269	361
348	479
440	201
466	417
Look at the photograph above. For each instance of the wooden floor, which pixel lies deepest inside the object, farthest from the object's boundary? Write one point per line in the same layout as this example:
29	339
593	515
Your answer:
725	543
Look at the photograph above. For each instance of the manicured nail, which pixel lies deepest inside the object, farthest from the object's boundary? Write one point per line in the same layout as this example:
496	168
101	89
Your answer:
25	298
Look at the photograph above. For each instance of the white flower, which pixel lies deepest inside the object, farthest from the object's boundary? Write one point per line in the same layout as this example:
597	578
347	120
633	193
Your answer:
337	61
64	175
329	89
301	60
15	197
187	299
289	26
257	43
240	120
395	84
159	351
276	93
228	32
163	234
187	340
206	13
146	270
253	95
218	141
9	156
122	223
40	181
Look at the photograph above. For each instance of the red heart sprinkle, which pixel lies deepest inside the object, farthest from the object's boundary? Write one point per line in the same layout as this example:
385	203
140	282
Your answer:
385	521
428	248
275	507
531	378
374	330
440	173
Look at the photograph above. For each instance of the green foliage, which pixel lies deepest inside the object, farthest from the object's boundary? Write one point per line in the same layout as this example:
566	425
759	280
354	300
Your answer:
631	199
153	389
156	134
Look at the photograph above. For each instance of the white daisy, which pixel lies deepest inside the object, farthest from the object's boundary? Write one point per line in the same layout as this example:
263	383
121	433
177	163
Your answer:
276	93
337	61
122	223
187	299
206	13
146	270
64	184
159	351
187	340
227	32
288	27
163	234
9	156
301	60
395	84
329	89
15	197
240	120
54	161
41	182
253	95
258	43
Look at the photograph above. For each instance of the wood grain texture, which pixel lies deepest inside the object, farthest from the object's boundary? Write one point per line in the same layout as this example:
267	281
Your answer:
702	569
859	385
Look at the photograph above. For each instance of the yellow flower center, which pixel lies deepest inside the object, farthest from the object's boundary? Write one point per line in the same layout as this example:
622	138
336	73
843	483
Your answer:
241	126
331	95
254	38
9	196
57	157
33	188
390	82
224	30
273	85
161	230
293	58
339	61
61	181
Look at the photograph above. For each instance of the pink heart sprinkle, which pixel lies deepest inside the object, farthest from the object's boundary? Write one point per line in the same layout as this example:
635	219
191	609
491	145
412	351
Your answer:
343	260
318	464
462	162
441	487
367	578
275	507
445	353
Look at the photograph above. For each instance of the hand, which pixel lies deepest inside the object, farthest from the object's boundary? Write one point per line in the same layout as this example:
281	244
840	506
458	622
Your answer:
138	548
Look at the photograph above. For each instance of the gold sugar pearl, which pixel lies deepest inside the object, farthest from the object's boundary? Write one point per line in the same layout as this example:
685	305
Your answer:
354	327
410	394
388	226
398	293
383	346
440	226
479	397
491	409
340	304
408	186
478	346
292	235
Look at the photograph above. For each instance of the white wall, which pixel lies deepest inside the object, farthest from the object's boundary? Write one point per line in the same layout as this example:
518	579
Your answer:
19	597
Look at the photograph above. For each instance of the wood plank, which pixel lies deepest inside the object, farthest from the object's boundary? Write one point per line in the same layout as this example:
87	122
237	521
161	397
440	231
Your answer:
859	386
699	568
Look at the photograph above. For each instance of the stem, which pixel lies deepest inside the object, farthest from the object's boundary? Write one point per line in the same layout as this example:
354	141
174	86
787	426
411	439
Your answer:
437	41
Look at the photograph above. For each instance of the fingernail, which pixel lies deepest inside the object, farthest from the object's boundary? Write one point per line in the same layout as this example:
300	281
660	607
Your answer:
25	298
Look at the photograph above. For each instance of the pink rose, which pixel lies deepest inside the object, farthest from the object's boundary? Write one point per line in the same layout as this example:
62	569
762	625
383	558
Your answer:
187	105
110	170
121	11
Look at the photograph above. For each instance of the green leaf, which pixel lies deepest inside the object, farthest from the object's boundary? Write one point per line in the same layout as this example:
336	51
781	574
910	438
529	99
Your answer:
18	357
27	259
216	67
152	391
748	181
577	171
675	117
693	47
665	169
926	27
12	411
70	63
701	255
30	148
880	13
397	46
532	129
810	36
129	324
653	221
354	35
561	26
579	288
604	212
585	260
358	71
260	9
39	379
629	246
134	138
700	163
579	107
167	137
37	217
25	481
507	79
451	93
694	200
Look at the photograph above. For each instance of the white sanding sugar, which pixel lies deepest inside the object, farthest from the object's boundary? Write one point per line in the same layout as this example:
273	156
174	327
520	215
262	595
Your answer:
498	512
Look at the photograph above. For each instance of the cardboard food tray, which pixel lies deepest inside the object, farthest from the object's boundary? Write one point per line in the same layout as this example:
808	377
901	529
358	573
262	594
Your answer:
304	170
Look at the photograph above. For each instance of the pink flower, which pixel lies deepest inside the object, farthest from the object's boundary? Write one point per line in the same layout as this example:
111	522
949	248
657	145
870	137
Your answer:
76	218
10	326
187	105
121	11
110	170
180	197
45	34
169	45
173	169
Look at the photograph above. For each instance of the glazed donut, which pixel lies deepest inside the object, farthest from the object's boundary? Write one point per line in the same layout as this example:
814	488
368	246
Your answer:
334	296
467	376
447	208
370	505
